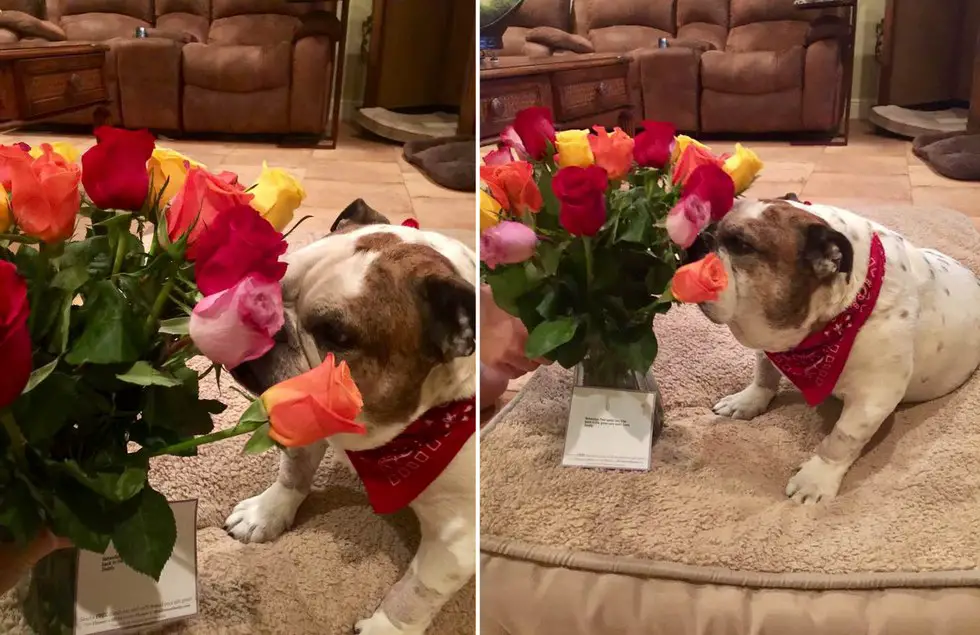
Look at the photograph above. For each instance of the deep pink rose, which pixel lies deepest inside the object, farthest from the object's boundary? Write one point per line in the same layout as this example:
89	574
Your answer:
501	156
714	186
237	324
510	139
652	147
686	220
15	339
239	243
506	243
582	194
536	129
198	204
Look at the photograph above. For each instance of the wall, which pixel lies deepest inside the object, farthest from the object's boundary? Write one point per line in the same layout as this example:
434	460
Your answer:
356	66
865	86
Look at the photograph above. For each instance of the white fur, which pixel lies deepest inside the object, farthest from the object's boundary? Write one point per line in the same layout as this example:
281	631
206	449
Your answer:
921	341
446	558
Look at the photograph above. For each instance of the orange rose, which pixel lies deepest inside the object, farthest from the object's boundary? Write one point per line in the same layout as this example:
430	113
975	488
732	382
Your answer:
613	152
44	195
700	281
199	202
693	156
315	405
512	184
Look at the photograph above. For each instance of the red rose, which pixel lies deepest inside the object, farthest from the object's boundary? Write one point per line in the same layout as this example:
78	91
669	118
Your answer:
15	339
114	170
582	193
711	184
198	204
239	243
652	147
535	128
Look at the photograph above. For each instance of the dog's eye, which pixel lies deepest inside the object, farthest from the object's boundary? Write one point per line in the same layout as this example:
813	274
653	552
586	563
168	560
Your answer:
738	246
335	335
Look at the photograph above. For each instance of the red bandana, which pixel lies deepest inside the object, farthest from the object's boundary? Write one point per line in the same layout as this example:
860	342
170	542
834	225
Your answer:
398	471
817	362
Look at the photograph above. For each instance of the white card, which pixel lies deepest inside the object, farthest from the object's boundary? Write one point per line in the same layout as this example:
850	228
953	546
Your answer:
610	428
111	597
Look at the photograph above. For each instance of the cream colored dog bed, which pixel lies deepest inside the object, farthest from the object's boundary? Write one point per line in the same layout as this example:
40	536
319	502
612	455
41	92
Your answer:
706	542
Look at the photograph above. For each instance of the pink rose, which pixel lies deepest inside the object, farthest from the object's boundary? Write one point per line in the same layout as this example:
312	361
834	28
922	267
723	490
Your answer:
510	139
686	220
501	156
237	324
506	243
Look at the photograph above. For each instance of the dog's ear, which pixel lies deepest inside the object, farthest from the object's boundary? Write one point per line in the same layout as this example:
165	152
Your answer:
448	316
827	251
359	213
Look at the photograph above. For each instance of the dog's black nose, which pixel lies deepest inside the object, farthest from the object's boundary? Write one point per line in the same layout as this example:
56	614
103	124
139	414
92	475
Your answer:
703	245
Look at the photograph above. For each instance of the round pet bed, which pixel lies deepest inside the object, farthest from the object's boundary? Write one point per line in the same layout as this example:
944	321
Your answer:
706	543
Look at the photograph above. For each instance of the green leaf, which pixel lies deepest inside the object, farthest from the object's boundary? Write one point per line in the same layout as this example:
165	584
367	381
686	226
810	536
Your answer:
255	413
115	486
142	374
39	375
58	339
549	255
145	541
260	441
667	297
178	408
42	412
112	333
66	522
71	278
641	355
509	283
93	253
549	335
176	326
18	513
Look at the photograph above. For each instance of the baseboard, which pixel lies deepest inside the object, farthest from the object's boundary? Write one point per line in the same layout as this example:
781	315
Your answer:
861	107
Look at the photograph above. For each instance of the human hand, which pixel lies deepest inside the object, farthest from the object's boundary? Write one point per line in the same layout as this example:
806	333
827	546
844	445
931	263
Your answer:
502	339
15	561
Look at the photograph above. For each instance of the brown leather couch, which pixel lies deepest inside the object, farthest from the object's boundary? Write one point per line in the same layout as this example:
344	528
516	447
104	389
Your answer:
237	66
732	66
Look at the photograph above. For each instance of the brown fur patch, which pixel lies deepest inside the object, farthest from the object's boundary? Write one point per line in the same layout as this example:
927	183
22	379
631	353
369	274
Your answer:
784	281
385	326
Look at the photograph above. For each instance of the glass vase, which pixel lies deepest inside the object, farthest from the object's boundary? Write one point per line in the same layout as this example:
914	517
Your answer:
47	594
603	369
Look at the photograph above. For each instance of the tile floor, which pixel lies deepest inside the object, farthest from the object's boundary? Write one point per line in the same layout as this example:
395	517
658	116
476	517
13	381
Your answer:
358	168
870	168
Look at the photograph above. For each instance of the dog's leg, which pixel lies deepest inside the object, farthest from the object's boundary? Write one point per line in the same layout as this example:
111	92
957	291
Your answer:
264	517
445	561
753	400
820	476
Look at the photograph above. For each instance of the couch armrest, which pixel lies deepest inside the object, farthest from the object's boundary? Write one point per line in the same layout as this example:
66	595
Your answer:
823	88
319	23
558	40
26	25
827	27
310	84
669	81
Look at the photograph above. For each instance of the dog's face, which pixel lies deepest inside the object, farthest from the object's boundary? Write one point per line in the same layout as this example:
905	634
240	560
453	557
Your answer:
781	262
383	299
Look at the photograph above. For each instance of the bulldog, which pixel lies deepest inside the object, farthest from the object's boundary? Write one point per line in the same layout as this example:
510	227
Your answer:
840	306
398	305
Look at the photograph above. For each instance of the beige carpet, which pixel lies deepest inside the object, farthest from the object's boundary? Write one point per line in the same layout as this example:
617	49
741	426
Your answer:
715	494
332	569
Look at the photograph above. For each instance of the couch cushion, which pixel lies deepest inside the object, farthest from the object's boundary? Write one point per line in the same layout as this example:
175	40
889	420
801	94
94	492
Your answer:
752	73
560	40
707	11
515	43
228	8
237	69
32	7
98	27
596	14
617	39
8	37
768	36
194	7
713	34
194	25
268	28
534	13
140	9
27	25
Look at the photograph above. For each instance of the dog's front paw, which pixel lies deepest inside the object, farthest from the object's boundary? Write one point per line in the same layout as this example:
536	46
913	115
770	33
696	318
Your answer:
264	517
379	624
816	481
747	404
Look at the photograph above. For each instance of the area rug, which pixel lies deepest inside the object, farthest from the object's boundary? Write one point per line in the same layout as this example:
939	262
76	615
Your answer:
450	161
330	570
955	155
715	495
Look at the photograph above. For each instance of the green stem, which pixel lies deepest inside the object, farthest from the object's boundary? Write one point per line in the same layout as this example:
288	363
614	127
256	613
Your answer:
159	303
20	238
17	441
43	260
587	243
120	256
189	444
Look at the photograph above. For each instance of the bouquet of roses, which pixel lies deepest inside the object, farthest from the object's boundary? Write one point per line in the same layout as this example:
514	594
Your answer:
95	328
582	234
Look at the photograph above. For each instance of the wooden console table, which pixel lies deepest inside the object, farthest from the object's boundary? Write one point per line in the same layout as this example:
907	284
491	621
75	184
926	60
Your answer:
38	83
581	91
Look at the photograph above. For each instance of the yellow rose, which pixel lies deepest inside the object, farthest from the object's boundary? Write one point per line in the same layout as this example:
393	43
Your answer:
681	143
5	218
66	150
277	195
489	211
166	164
743	166
574	149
